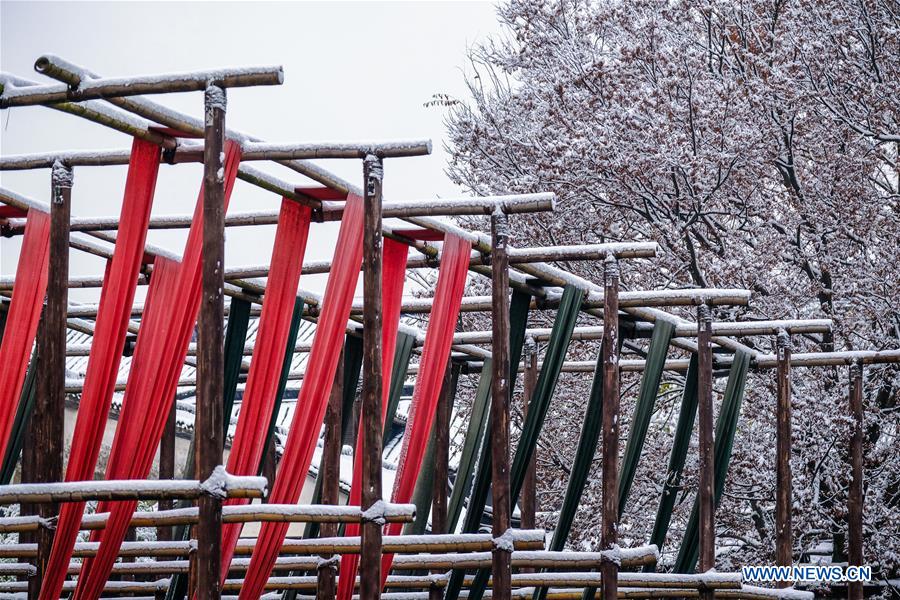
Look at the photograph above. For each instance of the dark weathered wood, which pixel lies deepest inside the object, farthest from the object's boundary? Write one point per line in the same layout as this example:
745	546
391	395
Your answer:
49	414
609	433
442	451
269	462
529	487
855	500
500	392
167	469
705	494
326	588
211	346
783	493
370	559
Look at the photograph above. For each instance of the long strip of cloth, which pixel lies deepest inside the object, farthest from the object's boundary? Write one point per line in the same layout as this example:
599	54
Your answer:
393	276
262	381
314	393
24	314
560	336
153	380
116	299
435	354
726	428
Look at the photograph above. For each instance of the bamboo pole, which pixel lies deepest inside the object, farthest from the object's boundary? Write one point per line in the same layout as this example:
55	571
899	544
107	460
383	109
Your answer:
609	570
210	348
117	87
220	484
855	555
570	561
705	496
372	427
737	328
464	542
783	492
250	151
522	255
250	513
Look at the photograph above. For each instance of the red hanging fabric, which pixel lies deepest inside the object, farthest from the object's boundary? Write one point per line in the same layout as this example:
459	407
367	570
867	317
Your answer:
116	299
271	337
314	393
22	321
435	354
140	395
152	382
392	279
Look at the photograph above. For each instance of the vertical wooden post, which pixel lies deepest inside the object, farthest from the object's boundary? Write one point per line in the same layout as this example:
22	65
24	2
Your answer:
783	541
370	550
167	469
441	433
442	451
705	427
211	348
330	476
855	500
609	434
49	411
269	464
529	485
502	509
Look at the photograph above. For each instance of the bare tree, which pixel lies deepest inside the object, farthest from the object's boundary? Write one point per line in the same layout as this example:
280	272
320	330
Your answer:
757	143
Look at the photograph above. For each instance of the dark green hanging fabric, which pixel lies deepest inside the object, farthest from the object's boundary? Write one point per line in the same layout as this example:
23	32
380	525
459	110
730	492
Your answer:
518	323
352	370
680	445
423	493
23	415
560	336
353	357
643	409
581	466
402	353
478	497
293	331
726	428
474	434
235	339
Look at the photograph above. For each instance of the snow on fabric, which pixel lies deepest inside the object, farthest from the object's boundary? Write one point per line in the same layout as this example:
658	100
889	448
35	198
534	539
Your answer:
152	382
271	338
24	314
116	298
435	354
393	276
314	393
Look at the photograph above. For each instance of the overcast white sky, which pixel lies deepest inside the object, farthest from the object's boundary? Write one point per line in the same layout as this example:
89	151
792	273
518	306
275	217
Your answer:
352	71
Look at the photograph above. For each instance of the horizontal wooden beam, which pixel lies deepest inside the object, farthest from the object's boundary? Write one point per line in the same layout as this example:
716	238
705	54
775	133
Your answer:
257	513
140	85
188	152
631	557
671	581
396	544
220	484
736	328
